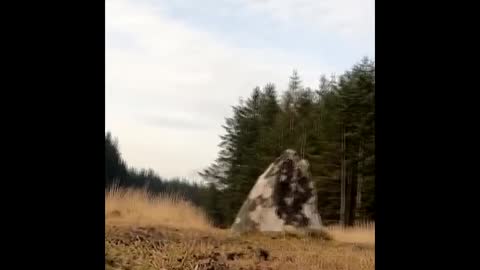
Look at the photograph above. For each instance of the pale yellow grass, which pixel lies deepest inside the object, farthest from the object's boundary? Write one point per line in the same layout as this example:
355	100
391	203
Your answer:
182	250
149	233
135	207
360	233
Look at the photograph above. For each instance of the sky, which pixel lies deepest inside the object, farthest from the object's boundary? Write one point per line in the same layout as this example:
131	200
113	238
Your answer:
174	68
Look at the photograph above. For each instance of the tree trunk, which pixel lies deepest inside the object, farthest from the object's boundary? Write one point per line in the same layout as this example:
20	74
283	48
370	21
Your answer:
281	141
343	182
348	193
303	143
351	192
359	183
349	184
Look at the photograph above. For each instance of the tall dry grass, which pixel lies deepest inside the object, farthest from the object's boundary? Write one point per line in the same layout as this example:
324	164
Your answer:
198	239
136	207
363	233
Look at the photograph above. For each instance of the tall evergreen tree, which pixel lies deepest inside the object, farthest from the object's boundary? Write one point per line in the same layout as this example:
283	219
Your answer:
115	167
333	127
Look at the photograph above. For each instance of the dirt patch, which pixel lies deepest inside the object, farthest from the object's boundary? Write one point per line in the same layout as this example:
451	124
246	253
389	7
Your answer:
263	254
156	248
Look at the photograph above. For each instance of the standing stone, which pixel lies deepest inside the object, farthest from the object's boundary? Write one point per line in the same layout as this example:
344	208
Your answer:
283	198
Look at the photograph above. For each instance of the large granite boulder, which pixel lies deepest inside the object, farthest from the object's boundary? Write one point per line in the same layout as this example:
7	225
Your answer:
283	198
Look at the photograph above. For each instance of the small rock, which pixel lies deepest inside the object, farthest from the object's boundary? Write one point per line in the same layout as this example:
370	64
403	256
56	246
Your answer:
263	254
231	256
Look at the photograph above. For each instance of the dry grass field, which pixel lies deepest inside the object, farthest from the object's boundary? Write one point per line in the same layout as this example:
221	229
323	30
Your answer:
168	233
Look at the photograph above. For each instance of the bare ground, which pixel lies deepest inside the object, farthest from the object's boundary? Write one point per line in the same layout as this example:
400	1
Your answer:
160	247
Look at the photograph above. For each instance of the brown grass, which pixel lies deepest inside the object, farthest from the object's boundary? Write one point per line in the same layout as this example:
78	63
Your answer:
360	233
168	233
138	208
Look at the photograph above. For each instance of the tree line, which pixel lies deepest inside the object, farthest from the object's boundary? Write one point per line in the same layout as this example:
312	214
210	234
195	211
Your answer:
119	174
333	126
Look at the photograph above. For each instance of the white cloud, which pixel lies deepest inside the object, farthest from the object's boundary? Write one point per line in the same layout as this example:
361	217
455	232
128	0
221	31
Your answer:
169	87
350	18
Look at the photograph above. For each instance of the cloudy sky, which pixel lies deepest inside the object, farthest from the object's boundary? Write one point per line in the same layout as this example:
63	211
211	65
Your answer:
174	68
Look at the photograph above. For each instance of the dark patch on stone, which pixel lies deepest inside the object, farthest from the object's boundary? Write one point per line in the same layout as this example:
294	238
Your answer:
301	193
260	201
251	206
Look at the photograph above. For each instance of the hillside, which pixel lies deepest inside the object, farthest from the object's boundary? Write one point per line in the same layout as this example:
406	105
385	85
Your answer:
168	233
